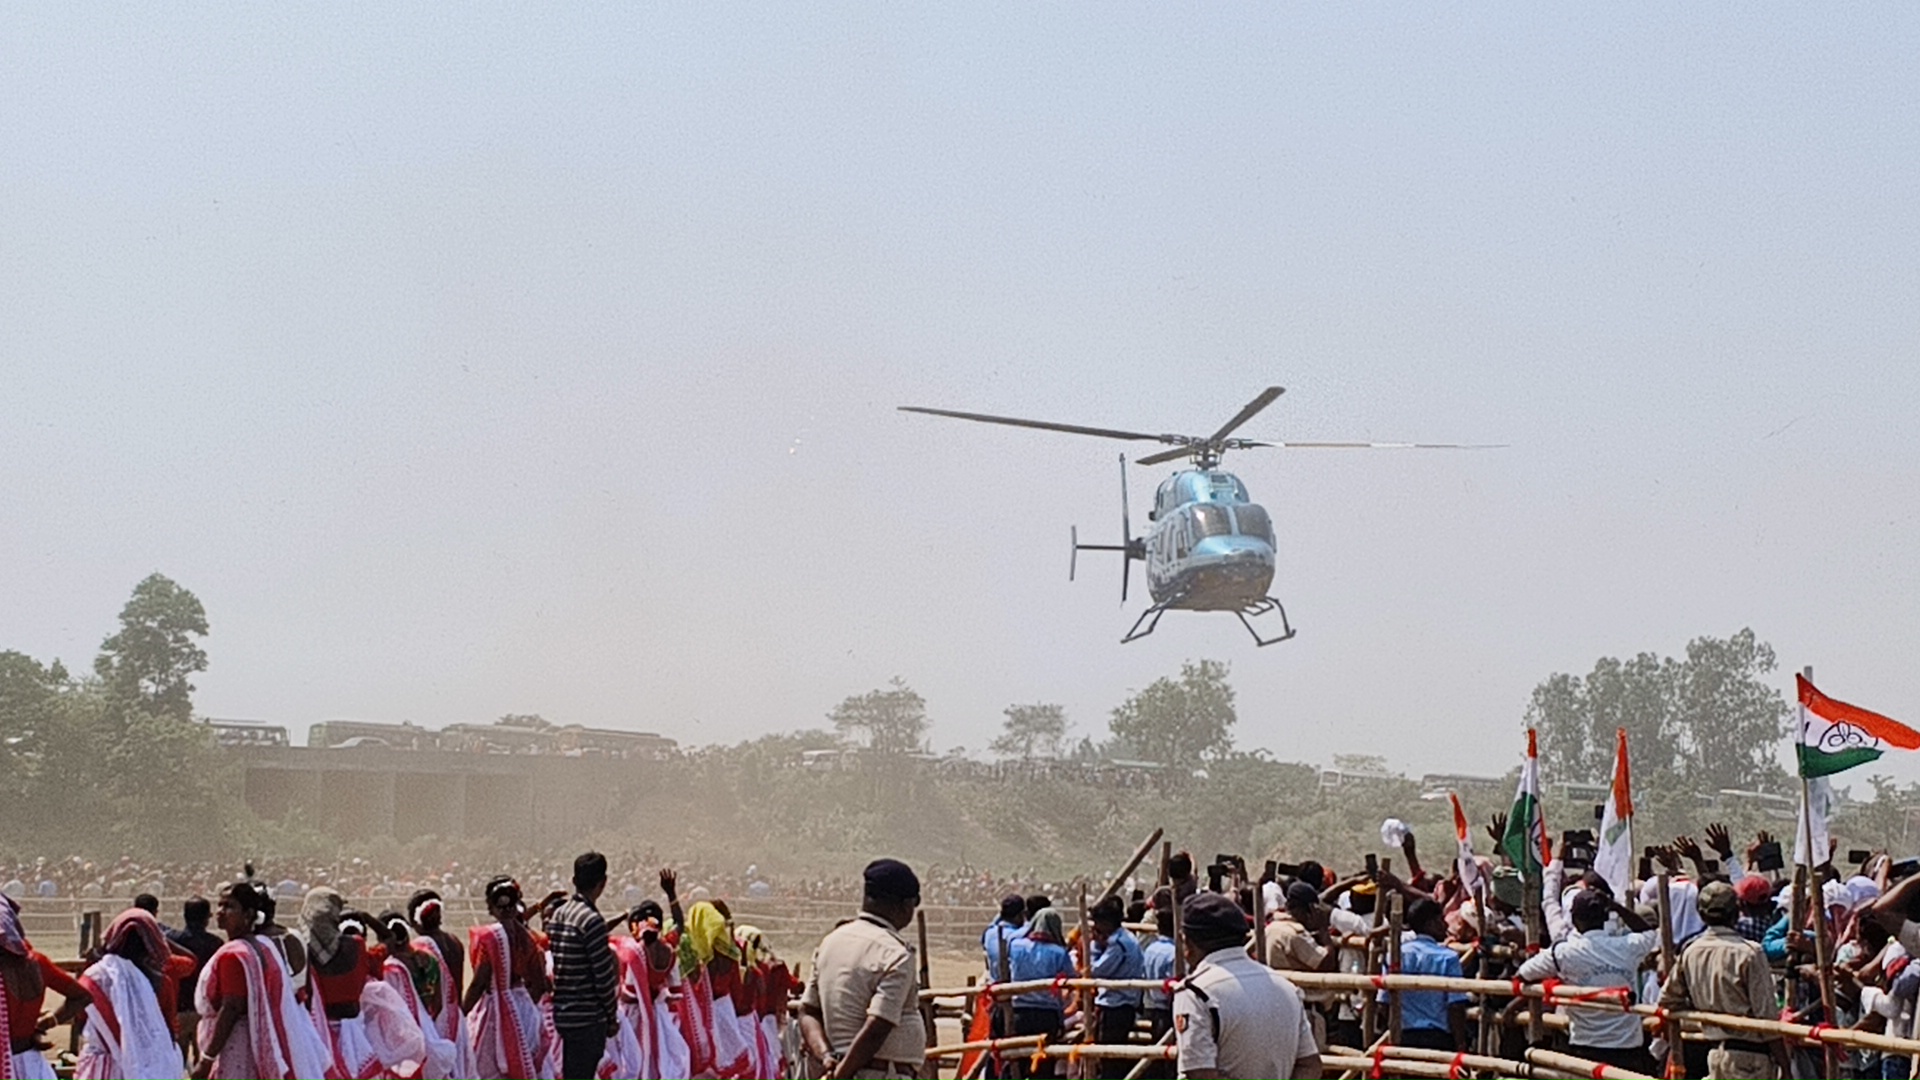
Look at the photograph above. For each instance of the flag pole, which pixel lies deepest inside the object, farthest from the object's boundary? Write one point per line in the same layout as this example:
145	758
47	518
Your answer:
1822	948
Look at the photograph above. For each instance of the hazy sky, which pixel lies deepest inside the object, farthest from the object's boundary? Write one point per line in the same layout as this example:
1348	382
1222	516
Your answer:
544	357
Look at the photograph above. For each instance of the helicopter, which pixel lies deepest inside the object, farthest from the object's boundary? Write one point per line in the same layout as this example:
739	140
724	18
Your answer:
1209	546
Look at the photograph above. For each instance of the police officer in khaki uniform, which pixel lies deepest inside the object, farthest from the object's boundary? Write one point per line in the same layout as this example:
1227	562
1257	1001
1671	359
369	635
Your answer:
860	1015
1234	1016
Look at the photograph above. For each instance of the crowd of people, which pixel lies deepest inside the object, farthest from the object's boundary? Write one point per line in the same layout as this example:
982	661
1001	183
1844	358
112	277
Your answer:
542	989
1731	948
461	879
303	985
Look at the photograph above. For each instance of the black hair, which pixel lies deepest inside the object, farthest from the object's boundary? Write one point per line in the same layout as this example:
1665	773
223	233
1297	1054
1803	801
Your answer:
1137	910
647	909
386	928
148	903
1109	911
1180	867
1163	910
418	898
501	887
589	871
1313	874
1423	912
1036	903
1013	909
197	911
247	895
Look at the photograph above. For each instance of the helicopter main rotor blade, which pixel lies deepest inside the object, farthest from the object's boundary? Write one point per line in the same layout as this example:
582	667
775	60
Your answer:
1043	425
1386	446
1266	398
1165	455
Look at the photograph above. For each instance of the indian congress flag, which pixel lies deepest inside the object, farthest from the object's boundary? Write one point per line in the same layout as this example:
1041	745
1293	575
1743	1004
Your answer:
1836	736
1525	840
1613	857
1463	836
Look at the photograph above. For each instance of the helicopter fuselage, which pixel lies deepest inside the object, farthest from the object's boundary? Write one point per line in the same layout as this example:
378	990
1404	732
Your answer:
1210	548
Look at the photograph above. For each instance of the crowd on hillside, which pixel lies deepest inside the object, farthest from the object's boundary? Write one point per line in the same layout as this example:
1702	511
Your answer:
122	879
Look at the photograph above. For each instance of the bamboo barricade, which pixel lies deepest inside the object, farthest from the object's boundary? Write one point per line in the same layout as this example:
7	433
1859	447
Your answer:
1139	856
1140	1068
1537	1063
1483	1042
1575	997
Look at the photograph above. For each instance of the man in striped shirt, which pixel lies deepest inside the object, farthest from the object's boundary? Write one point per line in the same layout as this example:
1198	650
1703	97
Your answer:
585	978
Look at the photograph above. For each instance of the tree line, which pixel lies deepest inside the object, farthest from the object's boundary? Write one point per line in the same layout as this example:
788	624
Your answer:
112	760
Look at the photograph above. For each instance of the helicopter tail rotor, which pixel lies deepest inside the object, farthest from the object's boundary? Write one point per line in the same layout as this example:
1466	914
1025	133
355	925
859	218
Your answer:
1129	547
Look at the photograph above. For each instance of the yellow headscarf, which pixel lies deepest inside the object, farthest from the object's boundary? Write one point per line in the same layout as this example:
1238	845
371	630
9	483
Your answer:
753	946
705	936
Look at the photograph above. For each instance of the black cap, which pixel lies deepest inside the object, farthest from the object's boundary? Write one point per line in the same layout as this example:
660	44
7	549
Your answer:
1213	918
891	879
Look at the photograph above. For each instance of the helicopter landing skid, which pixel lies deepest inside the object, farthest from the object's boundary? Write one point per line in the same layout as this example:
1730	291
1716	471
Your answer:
1150	618
1261	607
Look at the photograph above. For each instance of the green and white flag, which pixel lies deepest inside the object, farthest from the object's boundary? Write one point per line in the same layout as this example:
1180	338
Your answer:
1525	841
1835	736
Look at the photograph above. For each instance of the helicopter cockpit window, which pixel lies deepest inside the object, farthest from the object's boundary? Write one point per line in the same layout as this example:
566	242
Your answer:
1211	520
1254	522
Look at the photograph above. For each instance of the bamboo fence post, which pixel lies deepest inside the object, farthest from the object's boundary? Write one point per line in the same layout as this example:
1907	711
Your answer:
1086	972
928	1019
1260	925
1484	1035
1394	916
1166	857
1179	938
1664	903
1530	909
1003	1003
1578	1066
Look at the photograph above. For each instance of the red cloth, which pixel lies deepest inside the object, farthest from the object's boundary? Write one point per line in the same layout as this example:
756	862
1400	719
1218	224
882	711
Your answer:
225	977
23	1014
344	987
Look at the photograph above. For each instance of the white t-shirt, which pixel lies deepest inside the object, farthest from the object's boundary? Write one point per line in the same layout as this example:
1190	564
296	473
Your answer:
1262	1022
1596	959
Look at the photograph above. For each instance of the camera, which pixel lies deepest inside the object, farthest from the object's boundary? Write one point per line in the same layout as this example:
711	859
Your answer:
1768	858
1577	848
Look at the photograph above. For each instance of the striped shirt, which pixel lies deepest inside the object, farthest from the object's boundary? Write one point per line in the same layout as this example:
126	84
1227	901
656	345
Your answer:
585	976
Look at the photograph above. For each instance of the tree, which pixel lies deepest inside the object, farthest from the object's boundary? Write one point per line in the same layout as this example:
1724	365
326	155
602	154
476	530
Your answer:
27	690
527	720
1032	731
893	721
1180	724
147	664
1694	725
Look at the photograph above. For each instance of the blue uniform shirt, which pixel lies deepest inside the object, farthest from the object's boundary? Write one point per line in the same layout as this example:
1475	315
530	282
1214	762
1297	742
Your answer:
1119	958
990	941
1032	959
1158	955
1426	1010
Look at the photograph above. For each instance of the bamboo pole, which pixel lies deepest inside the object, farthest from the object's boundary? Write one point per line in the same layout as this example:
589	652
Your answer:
1394	917
1140	1069
1816	901
1663	903
1085	965
1530	908
1485	1034
1166	857
928	1018
1179	937
1031	1043
1003	1003
1139	856
1581	1066
1605	999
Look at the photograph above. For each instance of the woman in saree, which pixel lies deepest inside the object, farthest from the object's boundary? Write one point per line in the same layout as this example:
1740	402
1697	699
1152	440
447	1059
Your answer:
133	985
510	1039
250	1025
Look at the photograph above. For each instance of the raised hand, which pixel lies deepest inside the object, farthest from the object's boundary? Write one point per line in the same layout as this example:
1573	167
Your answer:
1719	840
669	881
1498	829
1687	846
